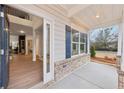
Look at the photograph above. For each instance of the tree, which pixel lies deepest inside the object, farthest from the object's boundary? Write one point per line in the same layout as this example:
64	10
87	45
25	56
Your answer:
105	39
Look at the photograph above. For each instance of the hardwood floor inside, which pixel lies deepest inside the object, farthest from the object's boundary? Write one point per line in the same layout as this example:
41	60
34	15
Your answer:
23	73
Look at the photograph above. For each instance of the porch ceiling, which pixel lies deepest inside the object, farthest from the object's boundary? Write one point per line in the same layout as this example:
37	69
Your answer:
86	14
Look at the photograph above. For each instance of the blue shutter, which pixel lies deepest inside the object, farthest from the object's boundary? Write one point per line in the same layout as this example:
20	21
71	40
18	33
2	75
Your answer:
0	47
68	41
4	44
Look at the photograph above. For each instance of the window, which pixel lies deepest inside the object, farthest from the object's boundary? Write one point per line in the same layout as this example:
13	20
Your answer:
75	42
78	42
83	40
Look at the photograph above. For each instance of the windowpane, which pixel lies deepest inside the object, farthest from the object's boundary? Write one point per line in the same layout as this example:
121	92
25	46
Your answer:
75	36
82	38
82	48
75	48
48	47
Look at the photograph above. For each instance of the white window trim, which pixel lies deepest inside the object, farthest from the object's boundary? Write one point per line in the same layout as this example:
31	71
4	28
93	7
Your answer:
79	52
72	42
84	48
85	40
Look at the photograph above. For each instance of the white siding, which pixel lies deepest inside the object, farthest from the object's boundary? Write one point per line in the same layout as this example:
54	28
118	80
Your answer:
59	41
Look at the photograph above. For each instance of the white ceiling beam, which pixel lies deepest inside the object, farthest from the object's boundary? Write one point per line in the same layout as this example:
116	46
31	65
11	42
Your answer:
77	9
20	21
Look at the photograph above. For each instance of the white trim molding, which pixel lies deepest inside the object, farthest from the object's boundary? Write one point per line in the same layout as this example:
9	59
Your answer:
88	42
119	51
34	45
122	42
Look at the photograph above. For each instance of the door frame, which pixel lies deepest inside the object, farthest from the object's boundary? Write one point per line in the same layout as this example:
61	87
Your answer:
48	76
47	17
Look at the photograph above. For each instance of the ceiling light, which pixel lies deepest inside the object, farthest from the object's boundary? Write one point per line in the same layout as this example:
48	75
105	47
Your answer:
22	32
97	16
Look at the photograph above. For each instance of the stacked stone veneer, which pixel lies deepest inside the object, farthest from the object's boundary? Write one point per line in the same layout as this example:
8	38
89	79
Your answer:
120	74
120	79
64	67
118	62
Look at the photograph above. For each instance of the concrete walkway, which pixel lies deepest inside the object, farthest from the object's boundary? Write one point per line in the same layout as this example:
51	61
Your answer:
90	76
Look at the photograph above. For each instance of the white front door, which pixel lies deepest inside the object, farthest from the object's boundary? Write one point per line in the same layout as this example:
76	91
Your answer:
48	63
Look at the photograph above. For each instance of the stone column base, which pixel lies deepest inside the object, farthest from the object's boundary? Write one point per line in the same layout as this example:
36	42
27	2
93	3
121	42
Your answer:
118	62
64	67
120	79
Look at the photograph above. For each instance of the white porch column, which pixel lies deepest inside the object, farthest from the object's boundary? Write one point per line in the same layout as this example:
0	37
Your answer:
34	45
88	43
122	42
119	50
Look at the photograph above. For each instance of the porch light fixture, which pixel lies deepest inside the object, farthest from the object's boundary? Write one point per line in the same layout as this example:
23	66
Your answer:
97	16
22	32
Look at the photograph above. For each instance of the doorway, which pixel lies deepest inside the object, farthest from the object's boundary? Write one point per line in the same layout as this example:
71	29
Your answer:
22	71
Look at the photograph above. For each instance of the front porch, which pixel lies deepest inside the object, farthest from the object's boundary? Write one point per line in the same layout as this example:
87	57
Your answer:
89	76
68	53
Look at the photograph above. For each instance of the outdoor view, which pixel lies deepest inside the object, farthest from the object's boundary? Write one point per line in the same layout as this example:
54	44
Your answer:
104	44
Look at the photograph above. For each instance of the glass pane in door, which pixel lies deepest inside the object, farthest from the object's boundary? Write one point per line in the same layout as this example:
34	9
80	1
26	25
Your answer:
48	47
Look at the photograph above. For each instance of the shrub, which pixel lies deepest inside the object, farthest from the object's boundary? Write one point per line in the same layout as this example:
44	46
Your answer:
92	51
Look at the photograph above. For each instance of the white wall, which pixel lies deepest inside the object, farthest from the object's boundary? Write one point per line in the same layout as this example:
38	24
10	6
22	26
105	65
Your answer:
14	41
40	44
59	41
13	38
28	37
39	41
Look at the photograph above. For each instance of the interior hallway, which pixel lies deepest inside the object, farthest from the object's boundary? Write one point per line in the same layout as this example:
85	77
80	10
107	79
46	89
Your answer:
23	73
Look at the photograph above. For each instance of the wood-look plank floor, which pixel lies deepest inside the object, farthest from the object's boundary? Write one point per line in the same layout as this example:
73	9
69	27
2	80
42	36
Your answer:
23	73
